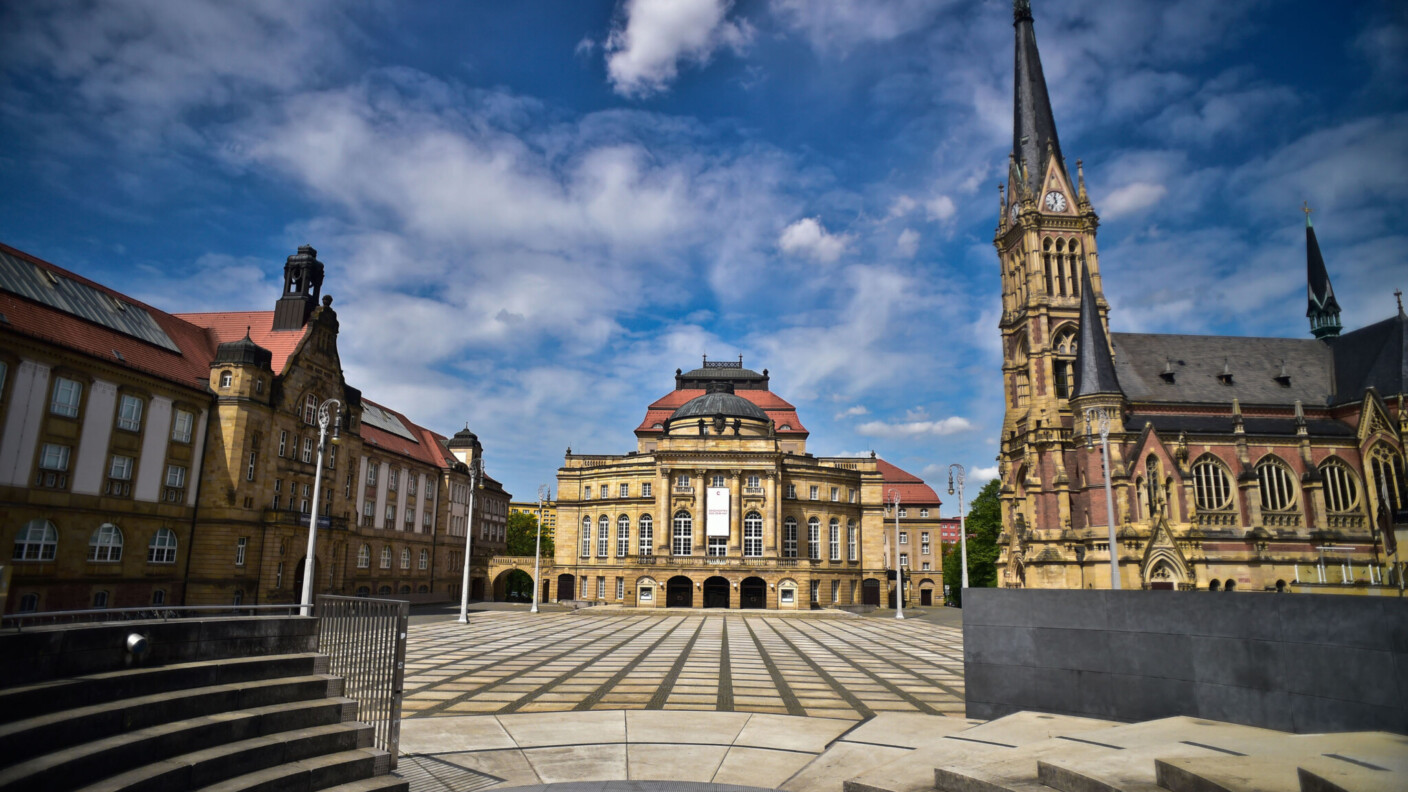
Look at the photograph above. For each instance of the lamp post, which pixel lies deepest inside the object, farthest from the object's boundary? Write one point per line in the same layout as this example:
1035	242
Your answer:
538	546
958	473
476	469
1099	417
325	417
899	570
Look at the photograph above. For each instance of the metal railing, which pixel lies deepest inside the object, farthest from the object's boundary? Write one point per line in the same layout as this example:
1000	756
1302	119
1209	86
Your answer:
19	621
365	640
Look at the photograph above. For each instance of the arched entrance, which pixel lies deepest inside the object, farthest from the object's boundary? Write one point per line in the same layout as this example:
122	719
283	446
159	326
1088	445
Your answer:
870	592
716	592
566	587
679	592
513	585
753	593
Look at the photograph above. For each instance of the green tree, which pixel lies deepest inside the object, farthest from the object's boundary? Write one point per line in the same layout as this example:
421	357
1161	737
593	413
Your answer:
523	533
983	526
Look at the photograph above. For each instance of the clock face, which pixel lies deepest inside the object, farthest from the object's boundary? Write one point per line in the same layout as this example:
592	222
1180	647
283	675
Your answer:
1013	211
1055	202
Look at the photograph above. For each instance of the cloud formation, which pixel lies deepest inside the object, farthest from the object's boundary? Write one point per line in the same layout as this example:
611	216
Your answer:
946	426
807	238
644	51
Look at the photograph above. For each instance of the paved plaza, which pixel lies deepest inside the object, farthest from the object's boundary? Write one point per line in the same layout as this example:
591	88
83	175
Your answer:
843	667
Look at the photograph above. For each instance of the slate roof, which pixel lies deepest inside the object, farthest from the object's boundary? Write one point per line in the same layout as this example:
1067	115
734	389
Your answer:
1095	372
912	489
727	404
1033	125
1320	295
721	372
1197	362
1167	425
1375	356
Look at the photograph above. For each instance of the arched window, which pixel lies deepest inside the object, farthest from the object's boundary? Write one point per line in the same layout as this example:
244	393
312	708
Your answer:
1153	484
835	537
405	589
753	535
386	557
106	544
789	538
363	591
851	540
683	543
1278	486
383	591
647	535
1387	470
814	538
1341	487
1050	263
603	535
364	557
1073	268
1212	487
424	559
1064	347
405	558
36	541
162	549
1021	384
225	379
623	536
586	536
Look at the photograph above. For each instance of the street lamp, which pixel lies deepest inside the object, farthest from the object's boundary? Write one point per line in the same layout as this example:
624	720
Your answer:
476	469
1099	417
899	570
325	416
957	471
543	495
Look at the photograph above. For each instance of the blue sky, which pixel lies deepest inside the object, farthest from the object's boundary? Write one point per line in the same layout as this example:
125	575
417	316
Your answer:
533	212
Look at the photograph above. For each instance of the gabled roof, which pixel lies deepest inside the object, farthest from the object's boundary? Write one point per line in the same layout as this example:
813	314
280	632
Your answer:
231	326
1218	369
912	489
1372	357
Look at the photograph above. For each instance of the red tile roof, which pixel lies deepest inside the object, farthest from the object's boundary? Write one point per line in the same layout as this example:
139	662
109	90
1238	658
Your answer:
777	408
912	489
423	450
229	326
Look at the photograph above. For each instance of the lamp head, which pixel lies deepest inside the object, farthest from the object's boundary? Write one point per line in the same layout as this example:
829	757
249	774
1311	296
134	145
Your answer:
337	429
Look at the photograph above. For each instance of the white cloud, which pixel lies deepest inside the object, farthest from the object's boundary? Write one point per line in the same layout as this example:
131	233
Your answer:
901	206
852	411
947	426
908	243
941	208
808	238
982	475
643	55
843	24
1130	199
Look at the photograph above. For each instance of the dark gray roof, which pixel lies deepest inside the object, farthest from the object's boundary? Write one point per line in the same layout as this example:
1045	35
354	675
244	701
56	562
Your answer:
1320	295
1375	356
1199	361
1095	372
1168	425
463	439
722	372
244	352
725	404
1033	127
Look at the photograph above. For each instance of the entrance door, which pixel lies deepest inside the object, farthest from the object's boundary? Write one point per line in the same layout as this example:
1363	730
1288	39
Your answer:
679	592
716	593
753	593
870	592
566	586
926	597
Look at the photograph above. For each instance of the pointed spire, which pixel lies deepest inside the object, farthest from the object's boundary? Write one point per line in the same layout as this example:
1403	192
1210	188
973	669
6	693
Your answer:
1322	308
1034	140
1095	368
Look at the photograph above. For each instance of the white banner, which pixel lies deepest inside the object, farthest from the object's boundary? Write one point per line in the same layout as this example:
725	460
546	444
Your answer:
716	505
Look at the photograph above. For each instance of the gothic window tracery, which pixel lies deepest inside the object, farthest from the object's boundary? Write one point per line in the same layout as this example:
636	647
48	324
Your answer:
1387	468
1064	348
1021	384
1278	486
1341	487
1212	486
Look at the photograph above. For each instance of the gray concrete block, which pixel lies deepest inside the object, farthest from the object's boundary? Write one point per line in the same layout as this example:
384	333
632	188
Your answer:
1235	662
1269	709
1071	649
1140	698
1165	655
999	644
1335	672
1350	622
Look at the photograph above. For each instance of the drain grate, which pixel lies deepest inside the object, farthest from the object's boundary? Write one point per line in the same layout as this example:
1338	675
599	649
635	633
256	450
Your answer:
432	774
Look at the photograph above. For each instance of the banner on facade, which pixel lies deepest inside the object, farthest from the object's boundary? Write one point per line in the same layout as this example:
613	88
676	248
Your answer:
716	507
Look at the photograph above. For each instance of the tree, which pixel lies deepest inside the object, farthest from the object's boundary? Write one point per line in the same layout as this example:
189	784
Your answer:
983	526
523	533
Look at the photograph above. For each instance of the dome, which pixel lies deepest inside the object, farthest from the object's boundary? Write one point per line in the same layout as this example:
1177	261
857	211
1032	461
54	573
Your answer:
243	352
464	439
719	403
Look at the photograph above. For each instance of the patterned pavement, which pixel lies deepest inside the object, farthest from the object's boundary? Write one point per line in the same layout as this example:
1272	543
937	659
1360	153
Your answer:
515	662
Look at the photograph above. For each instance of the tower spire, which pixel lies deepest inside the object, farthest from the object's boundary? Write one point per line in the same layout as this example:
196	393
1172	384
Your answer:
1034	138
1095	369
1322	308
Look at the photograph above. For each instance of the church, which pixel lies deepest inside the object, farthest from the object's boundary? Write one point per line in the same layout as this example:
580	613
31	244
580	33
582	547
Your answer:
1235	464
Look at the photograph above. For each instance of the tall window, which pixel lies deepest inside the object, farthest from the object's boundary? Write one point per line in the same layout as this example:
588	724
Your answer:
424	559
371	466
241	544
1341	489
851	537
1278	487
647	535
814	539
924	546
718	546
792	491
386	557
789	537
307	449
683	480
586	536
753	481
682	543
162	548
812	494
1021	385
129	413
105	544
835	537
364	557
36	541
67	394
120	476
1387	469
753	535
310	410
718	480
175	484
645	489
1064	346
1212	487
53	466
835	493
623	536
405	558
181	426
625	491
603	536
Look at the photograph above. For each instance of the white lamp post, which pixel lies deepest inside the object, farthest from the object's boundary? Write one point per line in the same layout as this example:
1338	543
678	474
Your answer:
899	570
538	546
1101	419
956	471
324	418
476	468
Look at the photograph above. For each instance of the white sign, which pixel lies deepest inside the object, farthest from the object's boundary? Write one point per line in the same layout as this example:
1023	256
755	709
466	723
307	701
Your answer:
716	506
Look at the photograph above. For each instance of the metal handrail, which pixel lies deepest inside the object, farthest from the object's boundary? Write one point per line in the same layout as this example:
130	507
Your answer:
147	613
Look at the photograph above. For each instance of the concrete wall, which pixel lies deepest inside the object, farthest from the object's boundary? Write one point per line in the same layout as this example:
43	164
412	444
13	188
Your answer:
1295	662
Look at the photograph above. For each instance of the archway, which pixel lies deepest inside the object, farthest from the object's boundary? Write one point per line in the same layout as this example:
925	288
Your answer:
566	587
1230	585
1215	585
870	592
679	592
716	592
513	585
1162	576
753	593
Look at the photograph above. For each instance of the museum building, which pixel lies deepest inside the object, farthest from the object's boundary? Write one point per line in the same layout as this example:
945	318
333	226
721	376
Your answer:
721	505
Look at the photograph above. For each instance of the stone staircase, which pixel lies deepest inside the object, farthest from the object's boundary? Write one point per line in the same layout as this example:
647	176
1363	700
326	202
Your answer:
273	722
1037	752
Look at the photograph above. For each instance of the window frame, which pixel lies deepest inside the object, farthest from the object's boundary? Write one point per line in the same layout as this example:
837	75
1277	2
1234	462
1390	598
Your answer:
129	412
162	547
753	535
682	534
105	552
66	397
1215	481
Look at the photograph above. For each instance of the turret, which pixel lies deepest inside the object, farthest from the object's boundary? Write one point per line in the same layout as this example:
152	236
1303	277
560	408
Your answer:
303	283
1322	309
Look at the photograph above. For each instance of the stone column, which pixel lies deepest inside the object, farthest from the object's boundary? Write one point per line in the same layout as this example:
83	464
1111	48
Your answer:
735	513
662	509
770	516
701	489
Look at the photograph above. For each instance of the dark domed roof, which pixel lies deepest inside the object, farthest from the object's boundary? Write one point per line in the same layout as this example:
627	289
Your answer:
719	403
244	352
463	439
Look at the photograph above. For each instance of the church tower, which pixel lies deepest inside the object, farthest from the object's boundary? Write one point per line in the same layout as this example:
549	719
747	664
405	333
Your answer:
303	282
1323	309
